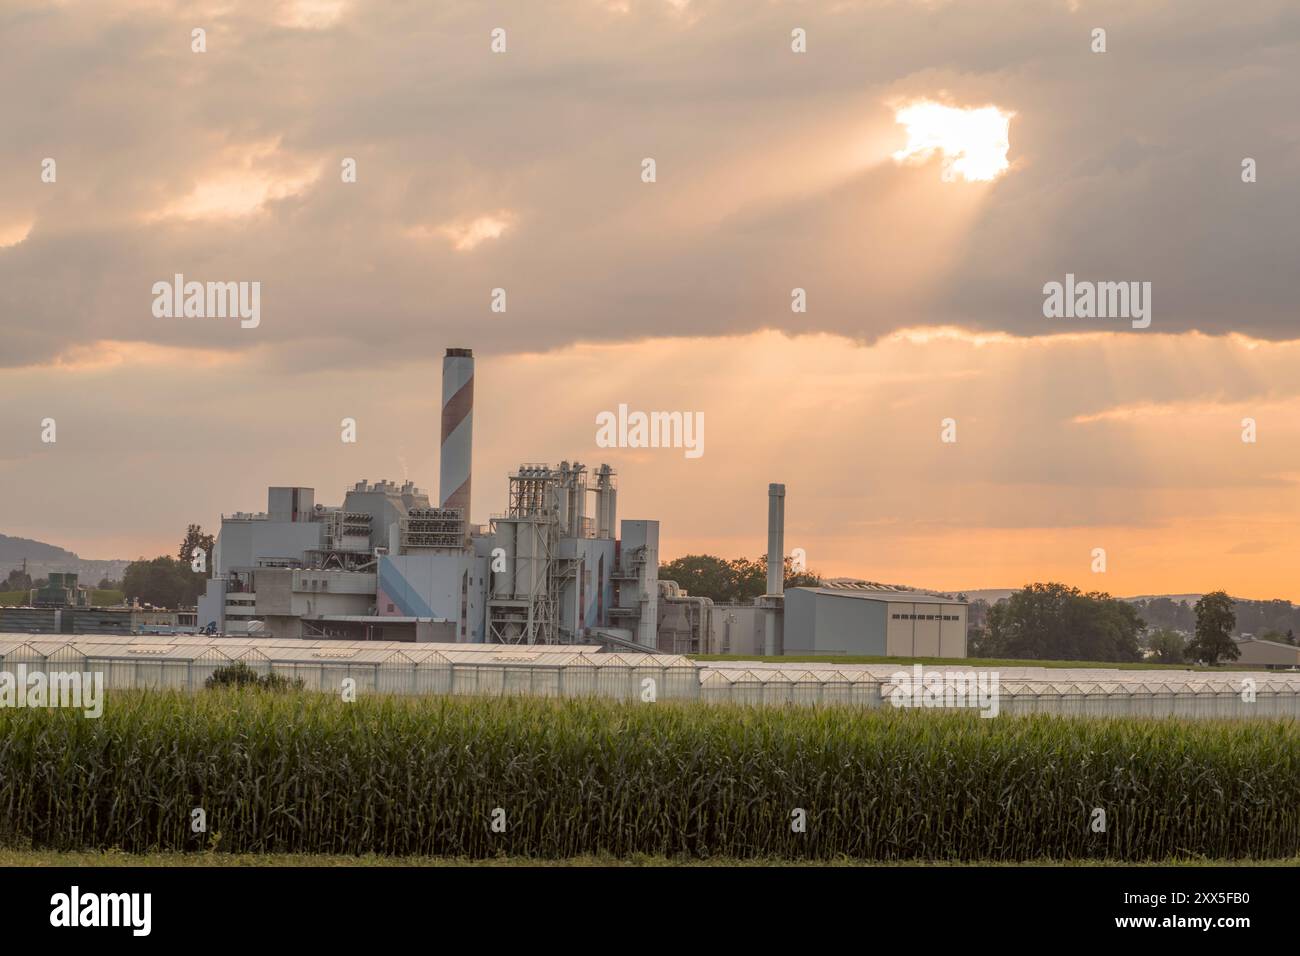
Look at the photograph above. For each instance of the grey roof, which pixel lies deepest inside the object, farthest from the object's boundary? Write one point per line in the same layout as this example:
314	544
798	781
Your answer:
889	597
857	584
1256	640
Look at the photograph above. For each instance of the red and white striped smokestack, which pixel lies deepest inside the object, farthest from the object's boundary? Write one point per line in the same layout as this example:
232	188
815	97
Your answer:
457	430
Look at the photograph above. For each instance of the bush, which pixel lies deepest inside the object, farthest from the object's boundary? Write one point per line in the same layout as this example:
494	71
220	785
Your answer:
240	674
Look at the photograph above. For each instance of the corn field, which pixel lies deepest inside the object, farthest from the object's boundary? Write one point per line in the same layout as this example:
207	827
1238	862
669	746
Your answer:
307	773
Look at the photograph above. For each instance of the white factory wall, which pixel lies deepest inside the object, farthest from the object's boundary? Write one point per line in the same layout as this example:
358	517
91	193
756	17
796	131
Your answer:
433	584
597	589
289	592
212	604
641	535
736	629
386	503
290	503
243	542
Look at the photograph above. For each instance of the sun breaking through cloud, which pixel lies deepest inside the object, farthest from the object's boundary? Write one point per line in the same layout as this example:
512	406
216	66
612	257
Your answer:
972	142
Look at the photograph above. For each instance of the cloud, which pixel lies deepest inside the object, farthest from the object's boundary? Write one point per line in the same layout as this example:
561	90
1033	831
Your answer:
249	176
465	234
774	170
14	232
310	14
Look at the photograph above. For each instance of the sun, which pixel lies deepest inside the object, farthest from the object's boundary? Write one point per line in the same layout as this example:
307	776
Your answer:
972	142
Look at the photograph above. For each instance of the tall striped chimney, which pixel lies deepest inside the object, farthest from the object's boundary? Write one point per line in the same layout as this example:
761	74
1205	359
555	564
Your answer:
457	430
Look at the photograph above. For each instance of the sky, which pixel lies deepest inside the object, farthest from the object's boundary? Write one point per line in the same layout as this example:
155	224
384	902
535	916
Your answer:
922	171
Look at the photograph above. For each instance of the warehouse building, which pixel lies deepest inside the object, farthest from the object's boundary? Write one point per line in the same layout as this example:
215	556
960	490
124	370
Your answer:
885	622
1273	655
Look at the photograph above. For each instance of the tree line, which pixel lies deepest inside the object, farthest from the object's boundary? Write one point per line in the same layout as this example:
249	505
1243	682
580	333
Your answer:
1042	621
735	581
1056	622
170	582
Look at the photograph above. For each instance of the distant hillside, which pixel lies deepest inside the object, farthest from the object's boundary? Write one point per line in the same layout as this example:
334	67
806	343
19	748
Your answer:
15	549
993	595
43	558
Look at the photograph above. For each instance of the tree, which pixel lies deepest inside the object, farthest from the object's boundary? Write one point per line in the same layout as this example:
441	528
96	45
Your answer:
977	614
1215	619
1055	622
108	584
1164	613
1260	617
196	539
977	632
798	579
18	580
1169	646
162	582
737	581
703	575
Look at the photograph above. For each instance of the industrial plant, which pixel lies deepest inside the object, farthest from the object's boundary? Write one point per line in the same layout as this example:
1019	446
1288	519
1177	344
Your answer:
558	567
390	564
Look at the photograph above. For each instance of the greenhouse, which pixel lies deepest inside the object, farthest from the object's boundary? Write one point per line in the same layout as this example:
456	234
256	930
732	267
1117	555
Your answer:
185	662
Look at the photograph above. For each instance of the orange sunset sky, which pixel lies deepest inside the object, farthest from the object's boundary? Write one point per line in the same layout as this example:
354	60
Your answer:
920	172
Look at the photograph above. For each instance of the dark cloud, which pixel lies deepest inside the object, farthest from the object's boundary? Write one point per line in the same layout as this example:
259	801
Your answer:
1126	166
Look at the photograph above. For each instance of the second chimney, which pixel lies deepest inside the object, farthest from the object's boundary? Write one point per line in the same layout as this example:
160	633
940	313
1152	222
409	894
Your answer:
454	466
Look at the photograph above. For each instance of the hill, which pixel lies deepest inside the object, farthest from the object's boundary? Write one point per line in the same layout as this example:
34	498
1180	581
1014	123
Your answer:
43	558
15	549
